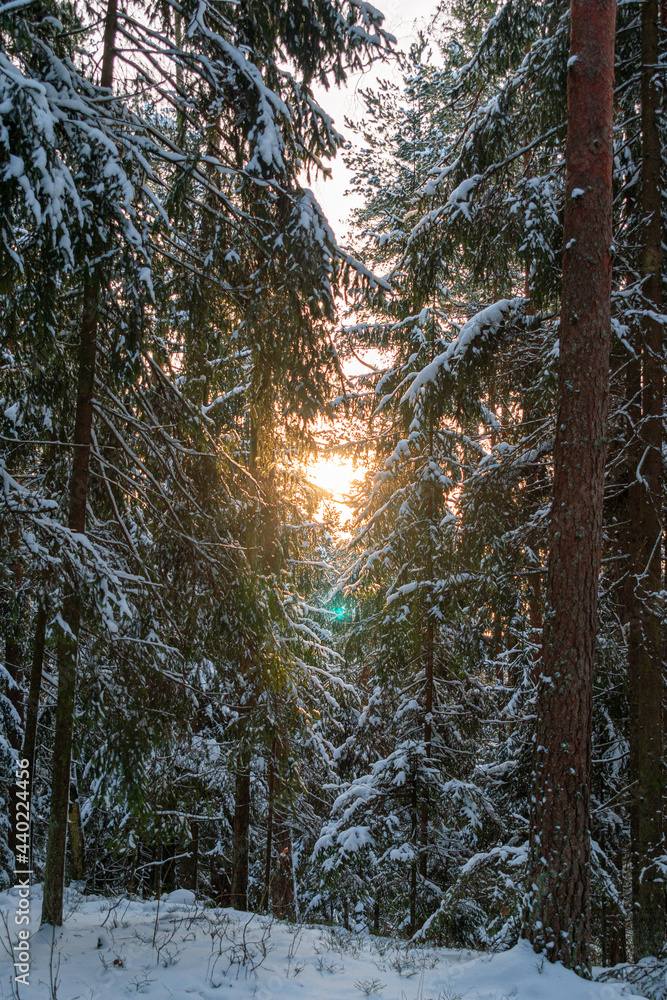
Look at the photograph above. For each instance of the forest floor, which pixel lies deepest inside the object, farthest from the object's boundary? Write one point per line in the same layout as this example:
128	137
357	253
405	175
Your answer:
116	948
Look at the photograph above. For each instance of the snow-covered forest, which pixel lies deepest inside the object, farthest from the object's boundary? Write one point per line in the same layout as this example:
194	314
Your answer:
431	729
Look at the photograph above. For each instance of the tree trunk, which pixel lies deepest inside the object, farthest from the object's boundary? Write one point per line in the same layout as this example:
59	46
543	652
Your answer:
32	703
241	835
189	867
67	641
14	668
269	828
428	742
34	692
559	918
645	680
168	866
414	864
498	647
429	657
54	871
536	623
70	616
156	870
76	839
613	937
13	612
283	883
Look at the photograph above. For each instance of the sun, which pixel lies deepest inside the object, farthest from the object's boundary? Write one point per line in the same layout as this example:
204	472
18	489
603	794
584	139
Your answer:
335	475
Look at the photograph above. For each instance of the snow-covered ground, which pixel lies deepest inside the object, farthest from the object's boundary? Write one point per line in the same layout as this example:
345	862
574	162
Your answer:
179	949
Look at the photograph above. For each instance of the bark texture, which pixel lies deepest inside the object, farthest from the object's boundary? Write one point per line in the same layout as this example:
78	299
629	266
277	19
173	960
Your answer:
12	611
645	680
429	664
29	751
429	659
268	864
241	837
70	617
168	866
77	842
282	893
559	919
34	692
189	867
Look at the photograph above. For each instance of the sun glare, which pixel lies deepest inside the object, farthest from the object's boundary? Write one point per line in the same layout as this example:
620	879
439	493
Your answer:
335	475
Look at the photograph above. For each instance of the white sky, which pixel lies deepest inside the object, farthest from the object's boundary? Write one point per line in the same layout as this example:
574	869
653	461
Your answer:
402	18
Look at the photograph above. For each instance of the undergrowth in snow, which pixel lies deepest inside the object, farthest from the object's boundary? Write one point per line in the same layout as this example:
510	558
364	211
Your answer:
180	948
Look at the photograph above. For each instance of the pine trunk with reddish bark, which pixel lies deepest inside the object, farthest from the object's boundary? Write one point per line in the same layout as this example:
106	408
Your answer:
645	678
559	917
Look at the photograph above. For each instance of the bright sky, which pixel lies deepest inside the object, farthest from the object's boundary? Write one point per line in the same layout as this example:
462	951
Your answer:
402	19
336	474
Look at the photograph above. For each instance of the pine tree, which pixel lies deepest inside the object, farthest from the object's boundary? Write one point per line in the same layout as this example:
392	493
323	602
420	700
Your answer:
645	680
560	820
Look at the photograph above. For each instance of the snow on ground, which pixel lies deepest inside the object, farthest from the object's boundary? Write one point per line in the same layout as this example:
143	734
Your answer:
182	950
